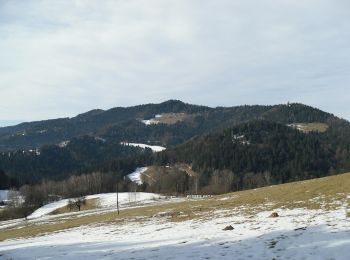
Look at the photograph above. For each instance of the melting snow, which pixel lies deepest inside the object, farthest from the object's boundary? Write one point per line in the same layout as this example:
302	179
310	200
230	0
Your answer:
152	121
136	175
63	144
105	200
153	147
296	234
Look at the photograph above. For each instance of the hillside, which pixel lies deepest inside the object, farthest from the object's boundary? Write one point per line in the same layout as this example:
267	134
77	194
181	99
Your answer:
313	143
271	152
80	155
33	135
178	123
312	221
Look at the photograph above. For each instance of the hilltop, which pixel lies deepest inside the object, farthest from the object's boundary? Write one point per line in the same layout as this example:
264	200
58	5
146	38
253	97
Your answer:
179	120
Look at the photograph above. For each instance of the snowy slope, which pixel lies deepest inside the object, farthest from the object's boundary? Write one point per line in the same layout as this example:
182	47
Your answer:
152	121
315	227
48	208
296	234
136	175
105	200
154	148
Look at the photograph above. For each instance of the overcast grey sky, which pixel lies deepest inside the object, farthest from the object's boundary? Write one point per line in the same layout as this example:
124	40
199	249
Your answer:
61	58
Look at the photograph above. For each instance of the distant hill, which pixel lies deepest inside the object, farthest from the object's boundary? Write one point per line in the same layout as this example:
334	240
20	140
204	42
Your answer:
126	123
33	135
286	142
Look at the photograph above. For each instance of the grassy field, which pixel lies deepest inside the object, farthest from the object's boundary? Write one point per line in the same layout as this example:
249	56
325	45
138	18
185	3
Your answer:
153	173
311	127
324	193
173	118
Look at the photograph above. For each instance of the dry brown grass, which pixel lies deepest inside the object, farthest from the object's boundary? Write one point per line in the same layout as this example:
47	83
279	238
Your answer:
313	127
323	193
90	204
152	174
173	118
149	175
320	193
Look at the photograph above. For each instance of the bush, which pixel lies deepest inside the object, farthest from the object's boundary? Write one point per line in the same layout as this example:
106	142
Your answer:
76	203
14	213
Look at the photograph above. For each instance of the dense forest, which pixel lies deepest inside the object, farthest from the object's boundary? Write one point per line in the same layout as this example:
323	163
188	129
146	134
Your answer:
266	151
125	123
81	155
33	135
256	144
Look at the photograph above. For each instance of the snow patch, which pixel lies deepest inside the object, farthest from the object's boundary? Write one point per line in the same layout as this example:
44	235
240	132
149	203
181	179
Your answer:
152	121
97	138
48	208
63	144
105	200
144	146
136	175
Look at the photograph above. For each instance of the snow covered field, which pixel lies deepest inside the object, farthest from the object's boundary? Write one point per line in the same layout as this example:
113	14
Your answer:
154	148
105	200
312	222
296	234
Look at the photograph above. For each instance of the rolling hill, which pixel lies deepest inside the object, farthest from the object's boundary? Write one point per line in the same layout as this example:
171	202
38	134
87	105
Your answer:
260	145
121	123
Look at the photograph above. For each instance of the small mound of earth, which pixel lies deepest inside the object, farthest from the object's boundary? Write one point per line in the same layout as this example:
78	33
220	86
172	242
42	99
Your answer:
274	215
228	228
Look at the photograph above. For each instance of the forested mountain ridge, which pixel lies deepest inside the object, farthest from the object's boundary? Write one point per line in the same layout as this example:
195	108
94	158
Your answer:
32	135
244	140
126	123
259	153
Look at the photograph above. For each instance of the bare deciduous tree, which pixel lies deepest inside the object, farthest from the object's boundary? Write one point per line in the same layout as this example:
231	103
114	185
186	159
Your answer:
76	203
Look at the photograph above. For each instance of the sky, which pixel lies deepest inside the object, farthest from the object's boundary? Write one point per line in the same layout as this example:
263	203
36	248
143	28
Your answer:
62	58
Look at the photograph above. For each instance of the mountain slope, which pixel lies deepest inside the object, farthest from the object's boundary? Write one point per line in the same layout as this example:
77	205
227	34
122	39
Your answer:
259	153
91	142
112	122
32	135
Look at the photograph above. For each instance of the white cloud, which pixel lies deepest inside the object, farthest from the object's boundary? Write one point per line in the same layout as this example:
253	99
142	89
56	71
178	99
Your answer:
60	58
